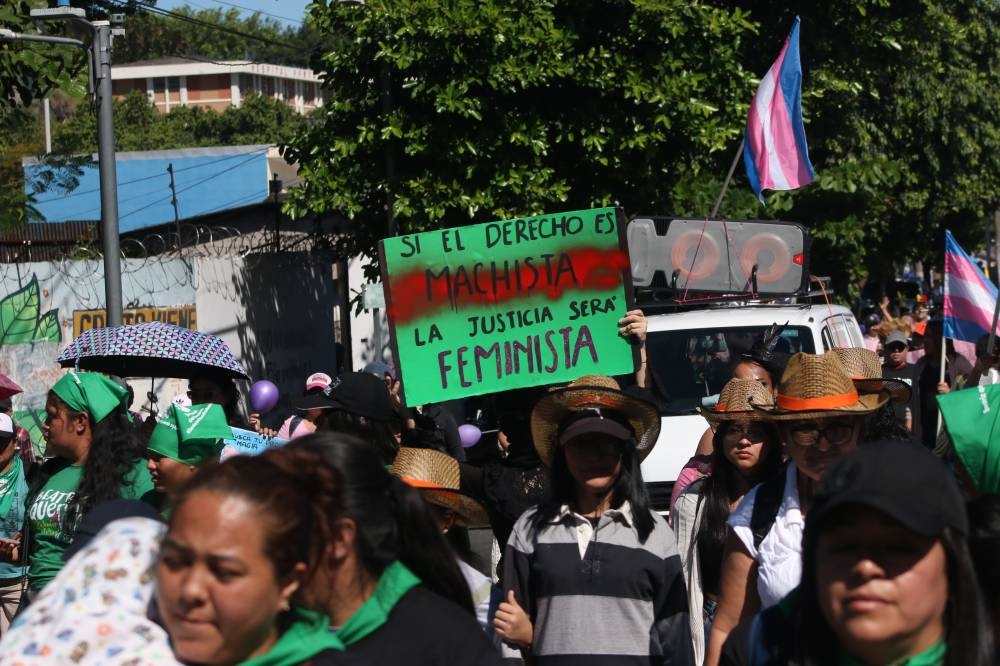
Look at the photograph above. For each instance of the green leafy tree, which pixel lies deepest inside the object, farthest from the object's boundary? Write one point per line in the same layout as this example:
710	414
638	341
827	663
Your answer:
139	126
28	73
901	100
502	108
149	36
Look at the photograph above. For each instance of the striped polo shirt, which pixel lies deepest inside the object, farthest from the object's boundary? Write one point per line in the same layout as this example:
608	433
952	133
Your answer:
596	595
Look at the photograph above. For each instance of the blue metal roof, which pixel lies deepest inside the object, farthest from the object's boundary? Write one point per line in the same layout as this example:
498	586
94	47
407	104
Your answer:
207	180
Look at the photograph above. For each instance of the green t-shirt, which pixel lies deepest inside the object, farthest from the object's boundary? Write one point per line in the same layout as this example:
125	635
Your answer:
49	540
932	656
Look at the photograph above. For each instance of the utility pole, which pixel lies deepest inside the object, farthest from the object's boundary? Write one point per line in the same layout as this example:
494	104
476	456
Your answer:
101	48
173	201
274	185
99	55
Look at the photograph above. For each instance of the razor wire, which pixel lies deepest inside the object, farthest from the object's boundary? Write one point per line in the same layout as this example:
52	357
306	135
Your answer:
75	264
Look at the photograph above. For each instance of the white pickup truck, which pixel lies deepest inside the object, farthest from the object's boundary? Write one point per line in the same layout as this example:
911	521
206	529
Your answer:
693	352
709	289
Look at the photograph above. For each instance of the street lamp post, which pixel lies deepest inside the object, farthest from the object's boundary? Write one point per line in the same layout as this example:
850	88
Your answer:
99	54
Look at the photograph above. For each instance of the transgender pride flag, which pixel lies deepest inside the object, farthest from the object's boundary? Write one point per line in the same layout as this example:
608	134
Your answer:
774	147
969	298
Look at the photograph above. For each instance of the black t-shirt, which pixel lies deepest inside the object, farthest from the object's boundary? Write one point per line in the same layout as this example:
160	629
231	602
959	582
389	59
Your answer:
423	629
928	414
909	374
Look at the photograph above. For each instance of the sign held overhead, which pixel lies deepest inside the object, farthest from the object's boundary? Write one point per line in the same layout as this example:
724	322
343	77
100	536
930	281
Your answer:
508	304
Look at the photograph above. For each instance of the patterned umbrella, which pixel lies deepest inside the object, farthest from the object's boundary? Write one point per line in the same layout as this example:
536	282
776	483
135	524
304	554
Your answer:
8	387
153	349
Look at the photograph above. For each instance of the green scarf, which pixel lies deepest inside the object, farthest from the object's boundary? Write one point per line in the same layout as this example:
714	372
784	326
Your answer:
8	485
932	656
308	636
971	417
90	392
190	435
395	582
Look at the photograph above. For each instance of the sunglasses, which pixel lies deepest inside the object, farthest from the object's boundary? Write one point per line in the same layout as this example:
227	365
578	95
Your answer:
808	434
751	433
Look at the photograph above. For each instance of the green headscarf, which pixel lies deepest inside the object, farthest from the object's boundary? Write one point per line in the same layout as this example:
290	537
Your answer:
91	392
190	435
972	417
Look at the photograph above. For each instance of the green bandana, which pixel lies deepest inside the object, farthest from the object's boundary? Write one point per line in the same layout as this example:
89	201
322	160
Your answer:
190	435
395	582
90	392
308	636
971	417
932	656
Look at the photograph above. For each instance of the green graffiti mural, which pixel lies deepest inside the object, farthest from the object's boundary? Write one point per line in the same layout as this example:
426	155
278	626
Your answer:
21	319
31	420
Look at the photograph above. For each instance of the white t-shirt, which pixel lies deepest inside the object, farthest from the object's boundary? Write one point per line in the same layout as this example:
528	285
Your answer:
779	560
480	587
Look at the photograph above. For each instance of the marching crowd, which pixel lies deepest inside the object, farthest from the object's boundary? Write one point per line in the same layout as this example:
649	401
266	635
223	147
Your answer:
812	527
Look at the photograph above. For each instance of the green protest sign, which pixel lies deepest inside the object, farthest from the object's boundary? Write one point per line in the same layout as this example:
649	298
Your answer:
508	304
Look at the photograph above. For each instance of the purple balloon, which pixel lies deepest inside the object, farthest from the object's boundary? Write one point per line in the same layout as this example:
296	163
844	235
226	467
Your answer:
263	396
469	434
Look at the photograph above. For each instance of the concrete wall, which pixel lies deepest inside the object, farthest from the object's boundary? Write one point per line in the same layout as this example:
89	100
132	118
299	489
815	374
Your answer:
363	349
277	313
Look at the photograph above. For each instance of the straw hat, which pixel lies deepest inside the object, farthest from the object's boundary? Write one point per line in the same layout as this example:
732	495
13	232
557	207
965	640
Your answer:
437	477
816	386
865	368
735	402
596	393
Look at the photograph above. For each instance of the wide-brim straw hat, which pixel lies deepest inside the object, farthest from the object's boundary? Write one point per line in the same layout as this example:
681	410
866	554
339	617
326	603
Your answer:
865	368
817	386
437	476
736	402
592	392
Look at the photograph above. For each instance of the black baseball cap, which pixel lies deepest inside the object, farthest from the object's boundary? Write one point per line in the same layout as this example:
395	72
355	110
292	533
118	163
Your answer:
359	393
901	479
595	422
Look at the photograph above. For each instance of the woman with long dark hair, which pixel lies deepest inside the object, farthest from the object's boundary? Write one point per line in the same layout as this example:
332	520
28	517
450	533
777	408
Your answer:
886	573
594	571
386	578
96	458
747	450
819	412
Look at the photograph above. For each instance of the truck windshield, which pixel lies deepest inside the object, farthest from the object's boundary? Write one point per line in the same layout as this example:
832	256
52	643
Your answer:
692	364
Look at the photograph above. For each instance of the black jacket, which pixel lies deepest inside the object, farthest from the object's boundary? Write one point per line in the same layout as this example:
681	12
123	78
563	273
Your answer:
423	630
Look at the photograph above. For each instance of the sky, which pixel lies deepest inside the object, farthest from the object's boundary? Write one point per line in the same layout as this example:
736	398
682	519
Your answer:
289	12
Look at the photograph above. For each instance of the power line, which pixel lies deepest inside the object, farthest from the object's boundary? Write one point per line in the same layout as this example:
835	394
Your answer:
185	189
257	11
159	175
231	63
219	28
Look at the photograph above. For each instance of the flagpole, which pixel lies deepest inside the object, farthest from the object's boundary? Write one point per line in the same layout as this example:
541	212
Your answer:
729	177
944	359
993	328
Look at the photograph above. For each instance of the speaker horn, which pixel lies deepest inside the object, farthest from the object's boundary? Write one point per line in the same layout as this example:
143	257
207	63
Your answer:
719	256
